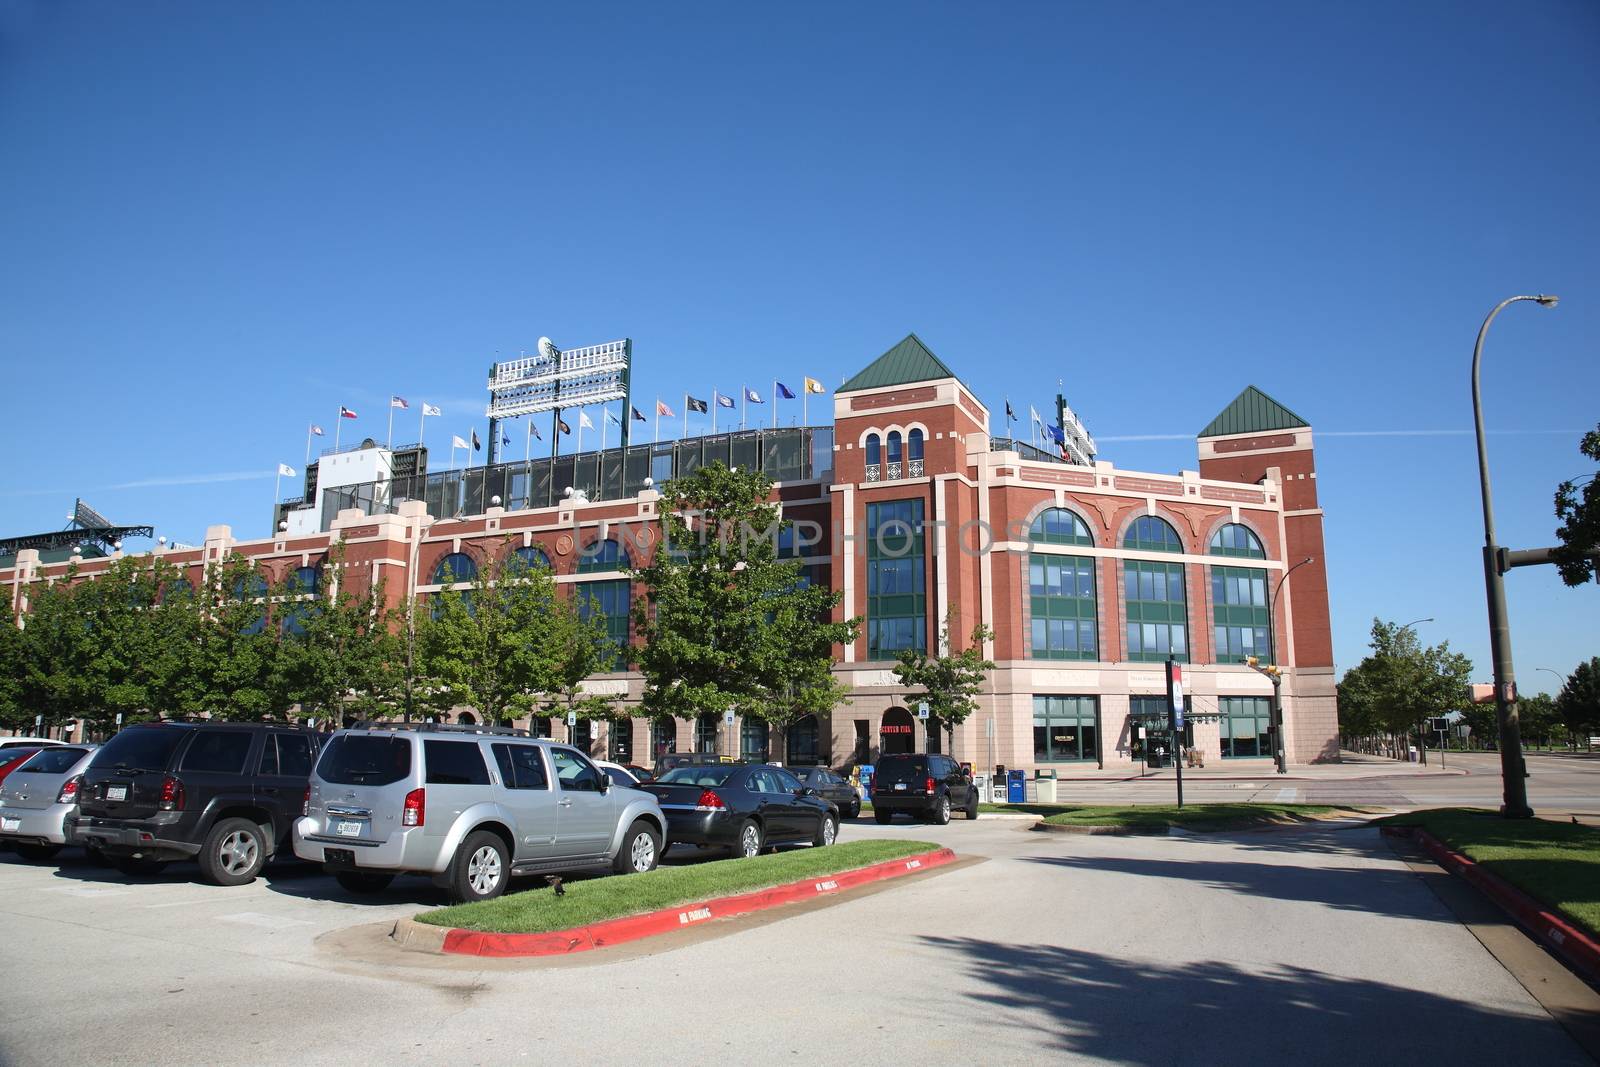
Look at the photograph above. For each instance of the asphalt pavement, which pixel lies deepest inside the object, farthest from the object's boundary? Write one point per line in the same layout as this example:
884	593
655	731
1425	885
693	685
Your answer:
1305	946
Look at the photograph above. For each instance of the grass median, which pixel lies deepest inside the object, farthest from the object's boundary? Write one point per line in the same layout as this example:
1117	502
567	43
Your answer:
1556	863
595	900
1198	817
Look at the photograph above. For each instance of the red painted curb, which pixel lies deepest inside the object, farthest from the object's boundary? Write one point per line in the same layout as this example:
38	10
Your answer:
634	927
1575	946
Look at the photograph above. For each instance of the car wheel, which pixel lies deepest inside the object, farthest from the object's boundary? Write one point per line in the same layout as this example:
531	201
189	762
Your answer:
233	853
881	817
941	813
38	853
640	851
827	831
855	809
749	845
140	866
96	857
480	868
363	882
972	806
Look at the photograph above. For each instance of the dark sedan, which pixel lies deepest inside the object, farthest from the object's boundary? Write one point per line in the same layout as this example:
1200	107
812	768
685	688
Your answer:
831	787
743	807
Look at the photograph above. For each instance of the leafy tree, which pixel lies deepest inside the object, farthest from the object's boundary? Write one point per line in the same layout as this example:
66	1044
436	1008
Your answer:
240	671
14	713
338	644
1579	513
1403	684
575	645
1579	701
952	681
726	623
1537	717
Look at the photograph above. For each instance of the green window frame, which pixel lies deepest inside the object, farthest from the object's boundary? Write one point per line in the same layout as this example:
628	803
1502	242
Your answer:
1157	609
1058	526
1244	723
1240	624
1235	539
612	600
1064	619
897	601
1151	533
1066	729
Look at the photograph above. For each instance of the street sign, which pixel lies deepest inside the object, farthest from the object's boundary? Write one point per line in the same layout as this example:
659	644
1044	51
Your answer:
727	718
922	710
572	718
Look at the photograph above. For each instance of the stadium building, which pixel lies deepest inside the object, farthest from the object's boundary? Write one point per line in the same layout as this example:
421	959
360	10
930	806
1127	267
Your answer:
1088	576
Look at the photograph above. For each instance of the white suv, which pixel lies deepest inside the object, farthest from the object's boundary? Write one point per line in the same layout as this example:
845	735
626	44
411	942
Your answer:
470	806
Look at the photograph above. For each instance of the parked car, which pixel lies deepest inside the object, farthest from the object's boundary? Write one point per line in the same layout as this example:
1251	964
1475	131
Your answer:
469	806
12	758
640	774
620	775
225	794
741	806
830	787
26	742
684	759
922	786
37	797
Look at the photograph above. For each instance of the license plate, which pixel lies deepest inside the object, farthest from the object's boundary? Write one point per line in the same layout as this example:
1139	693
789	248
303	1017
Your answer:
348	829
10	824
899	786
116	792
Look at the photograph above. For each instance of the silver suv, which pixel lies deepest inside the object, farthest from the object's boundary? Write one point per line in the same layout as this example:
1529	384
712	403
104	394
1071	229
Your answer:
470	806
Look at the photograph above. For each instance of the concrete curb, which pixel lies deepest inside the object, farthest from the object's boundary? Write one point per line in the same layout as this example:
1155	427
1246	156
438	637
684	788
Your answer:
421	937
1580	951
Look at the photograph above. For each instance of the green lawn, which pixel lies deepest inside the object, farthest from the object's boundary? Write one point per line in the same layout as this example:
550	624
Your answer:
1557	863
1190	816
595	900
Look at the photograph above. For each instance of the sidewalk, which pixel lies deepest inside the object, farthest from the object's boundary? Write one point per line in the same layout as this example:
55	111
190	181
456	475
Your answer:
1352	766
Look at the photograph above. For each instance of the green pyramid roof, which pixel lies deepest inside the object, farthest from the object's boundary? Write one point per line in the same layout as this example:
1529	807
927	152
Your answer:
1252	411
908	361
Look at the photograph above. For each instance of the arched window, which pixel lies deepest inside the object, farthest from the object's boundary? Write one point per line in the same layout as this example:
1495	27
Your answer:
305	581
894	446
466	718
1058	526
663	736
705	731
611	600
607	555
457	568
1154	595
252	588
176	590
1234	539
753	739
874	449
1150	533
530	557
914	445
804	750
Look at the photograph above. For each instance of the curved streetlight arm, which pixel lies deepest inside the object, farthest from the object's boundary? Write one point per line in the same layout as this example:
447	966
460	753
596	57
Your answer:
1477	406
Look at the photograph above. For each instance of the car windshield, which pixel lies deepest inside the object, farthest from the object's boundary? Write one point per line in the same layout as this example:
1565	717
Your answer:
903	770
52	761
357	759
140	748
704	774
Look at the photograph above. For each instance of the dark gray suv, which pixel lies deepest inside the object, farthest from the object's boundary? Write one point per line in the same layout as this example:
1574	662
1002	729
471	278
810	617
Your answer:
469	806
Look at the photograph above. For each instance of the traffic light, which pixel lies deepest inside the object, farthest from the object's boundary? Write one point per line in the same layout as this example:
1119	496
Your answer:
1271	670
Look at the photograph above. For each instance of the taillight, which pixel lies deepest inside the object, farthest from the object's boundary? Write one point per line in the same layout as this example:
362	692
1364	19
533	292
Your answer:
171	794
928	785
69	791
709	801
416	809
305	804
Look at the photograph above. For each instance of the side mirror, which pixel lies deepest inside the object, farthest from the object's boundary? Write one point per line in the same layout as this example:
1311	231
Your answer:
605	781
805	791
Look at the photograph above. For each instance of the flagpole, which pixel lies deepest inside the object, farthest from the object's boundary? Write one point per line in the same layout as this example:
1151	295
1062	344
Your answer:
527	451
715	404
308	444
655	437
422	424
277	490
452	452
338	426
744	403
774	403
805	403
685	418
390	445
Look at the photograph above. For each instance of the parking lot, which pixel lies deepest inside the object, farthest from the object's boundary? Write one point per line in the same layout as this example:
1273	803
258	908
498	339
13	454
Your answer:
1245	949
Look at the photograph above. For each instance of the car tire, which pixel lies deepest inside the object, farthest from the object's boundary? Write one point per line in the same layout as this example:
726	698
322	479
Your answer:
748	842
827	831
972	806
96	857
640	851
882	818
234	853
941	811
138	867
855	810
365	883
38	853
480	869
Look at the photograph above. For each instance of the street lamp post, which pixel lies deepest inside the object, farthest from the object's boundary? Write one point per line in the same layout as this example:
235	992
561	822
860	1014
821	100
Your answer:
1560	678
1512	774
1280	756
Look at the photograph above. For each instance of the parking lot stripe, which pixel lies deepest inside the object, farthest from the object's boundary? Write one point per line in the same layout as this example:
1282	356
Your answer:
266	922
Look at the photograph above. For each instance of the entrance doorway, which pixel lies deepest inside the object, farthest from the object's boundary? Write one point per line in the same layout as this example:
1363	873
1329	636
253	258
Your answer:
898	733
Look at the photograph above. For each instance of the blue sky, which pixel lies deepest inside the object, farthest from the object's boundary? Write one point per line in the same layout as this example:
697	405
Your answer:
220	222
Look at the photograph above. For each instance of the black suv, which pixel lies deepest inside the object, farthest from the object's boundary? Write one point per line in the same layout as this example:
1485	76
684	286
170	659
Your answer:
225	793
922	786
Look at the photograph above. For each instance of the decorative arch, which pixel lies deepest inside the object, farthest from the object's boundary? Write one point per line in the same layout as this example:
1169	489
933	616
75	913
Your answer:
873	444
1143	520
897	733
1052	525
456	568
531	556
1236	539
601	556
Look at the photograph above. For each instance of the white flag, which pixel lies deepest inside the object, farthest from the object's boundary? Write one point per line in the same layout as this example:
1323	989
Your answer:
457	442
429	409
583	420
1035	413
285	470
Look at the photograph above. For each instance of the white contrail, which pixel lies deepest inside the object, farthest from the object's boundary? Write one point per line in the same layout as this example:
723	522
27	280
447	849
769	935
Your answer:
150	483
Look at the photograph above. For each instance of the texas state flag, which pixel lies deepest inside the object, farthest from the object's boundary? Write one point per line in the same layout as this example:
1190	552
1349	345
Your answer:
346	413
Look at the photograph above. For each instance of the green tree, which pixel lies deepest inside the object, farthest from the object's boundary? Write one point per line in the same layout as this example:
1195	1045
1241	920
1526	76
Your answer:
340	645
727	624
1579	512
1537	717
1579	702
950	682
1403	684
575	645
240	671
14	713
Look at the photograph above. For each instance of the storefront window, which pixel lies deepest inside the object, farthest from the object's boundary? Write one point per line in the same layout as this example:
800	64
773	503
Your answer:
1244	726
753	740
1065	729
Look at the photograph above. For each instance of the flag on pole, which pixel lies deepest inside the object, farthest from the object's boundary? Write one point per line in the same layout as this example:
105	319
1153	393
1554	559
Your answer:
1011	416
563	423
584	422
476	446
814	386
429	409
505	439
1034	412
752	396
399	402
1055	434
638	416
614	417
722	401
666	412
696	404
285	471
782	390
346	413
457	442
317	430
533	429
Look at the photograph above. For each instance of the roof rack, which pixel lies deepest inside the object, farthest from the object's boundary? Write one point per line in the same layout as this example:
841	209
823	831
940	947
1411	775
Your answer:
443	728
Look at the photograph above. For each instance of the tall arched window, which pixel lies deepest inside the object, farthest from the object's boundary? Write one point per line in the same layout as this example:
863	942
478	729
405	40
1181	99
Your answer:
1154	596
457	568
611	599
804	747
663	736
530	557
306	581
874	449
253	589
1241	625
1062	590
304	586
914	445
894	446
607	555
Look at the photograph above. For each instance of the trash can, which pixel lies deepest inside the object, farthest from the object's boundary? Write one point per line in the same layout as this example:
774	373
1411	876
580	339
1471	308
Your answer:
1044	785
1016	787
